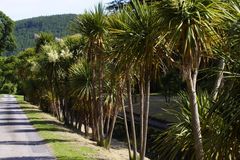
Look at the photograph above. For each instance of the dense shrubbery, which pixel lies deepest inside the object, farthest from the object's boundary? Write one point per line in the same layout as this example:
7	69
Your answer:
9	88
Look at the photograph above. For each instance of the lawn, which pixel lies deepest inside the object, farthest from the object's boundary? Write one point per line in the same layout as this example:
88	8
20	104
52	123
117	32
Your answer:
65	145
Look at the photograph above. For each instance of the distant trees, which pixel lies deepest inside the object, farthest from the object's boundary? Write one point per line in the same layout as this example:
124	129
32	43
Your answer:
25	30
7	42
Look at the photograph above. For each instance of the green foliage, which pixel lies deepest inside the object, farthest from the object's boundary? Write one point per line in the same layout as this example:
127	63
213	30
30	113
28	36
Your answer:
8	88
91	24
228	137
76	44
192	27
43	38
177	140
8	78
220	129
6	33
27	28
80	80
135	35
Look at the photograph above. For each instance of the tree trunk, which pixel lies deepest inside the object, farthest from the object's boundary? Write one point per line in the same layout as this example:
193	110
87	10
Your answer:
126	127
142	98
94	98
145	118
191	81
92	119
130	105
100	102
108	120
111	129
218	80
64	111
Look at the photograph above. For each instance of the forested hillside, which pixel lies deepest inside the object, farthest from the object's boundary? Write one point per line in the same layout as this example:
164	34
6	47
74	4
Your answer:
25	29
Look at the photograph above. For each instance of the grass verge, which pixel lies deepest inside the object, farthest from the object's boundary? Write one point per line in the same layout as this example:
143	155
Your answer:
63	143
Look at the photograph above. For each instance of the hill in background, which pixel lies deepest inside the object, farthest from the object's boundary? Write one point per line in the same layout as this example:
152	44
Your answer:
25	29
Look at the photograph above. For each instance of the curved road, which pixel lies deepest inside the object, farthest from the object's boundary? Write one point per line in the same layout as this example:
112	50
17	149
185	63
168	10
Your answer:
18	139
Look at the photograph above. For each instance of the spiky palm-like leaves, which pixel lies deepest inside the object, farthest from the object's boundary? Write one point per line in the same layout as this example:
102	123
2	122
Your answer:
92	25
227	107
135	33
42	39
80	78
81	88
191	27
178	142
219	123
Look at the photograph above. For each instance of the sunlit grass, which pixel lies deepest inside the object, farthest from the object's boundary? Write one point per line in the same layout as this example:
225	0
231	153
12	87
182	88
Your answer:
63	146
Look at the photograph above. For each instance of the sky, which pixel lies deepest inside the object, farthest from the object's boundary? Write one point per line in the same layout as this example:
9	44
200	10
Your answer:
22	9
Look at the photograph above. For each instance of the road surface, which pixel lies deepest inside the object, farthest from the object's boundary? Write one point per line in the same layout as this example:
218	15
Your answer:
18	139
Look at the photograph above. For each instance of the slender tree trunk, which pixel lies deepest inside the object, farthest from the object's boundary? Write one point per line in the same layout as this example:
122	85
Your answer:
191	85
126	127
64	111
107	121
130	105
100	104
57	104
92	119
96	109
142	98
86	120
218	80
111	129
145	117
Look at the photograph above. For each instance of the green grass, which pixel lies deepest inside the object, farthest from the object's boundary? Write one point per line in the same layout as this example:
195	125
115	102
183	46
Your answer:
63	146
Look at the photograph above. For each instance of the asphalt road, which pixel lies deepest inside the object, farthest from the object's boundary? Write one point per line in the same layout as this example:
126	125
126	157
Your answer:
18	139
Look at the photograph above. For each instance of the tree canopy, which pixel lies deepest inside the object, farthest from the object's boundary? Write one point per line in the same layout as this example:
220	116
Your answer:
7	41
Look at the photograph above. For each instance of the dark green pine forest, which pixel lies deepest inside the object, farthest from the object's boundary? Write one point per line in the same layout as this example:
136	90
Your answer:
25	30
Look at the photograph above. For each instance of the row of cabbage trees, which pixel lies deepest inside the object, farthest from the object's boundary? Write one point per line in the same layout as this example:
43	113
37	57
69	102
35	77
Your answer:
87	78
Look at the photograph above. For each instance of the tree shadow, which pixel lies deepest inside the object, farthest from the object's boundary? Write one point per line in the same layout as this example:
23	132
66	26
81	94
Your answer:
71	158
11	112
15	124
25	107
39	129
46	122
28	143
29	158
18	108
32	111
33	143
13	119
8	102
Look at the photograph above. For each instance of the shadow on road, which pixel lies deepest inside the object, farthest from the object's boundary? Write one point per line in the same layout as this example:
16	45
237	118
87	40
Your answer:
15	124
52	140
29	158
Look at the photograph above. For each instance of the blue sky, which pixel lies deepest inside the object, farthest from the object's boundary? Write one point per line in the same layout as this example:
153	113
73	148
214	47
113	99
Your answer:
22	9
